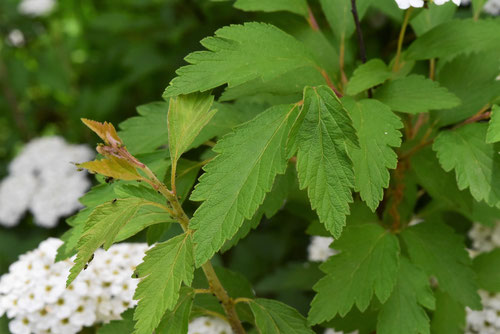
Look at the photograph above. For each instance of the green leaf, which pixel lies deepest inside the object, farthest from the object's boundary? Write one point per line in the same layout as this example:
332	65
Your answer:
472	79
187	115
237	180
377	129
433	16
440	252
493	133
439	184
455	37
125	325
176	321
165	268
404	311
367	264
274	317
415	94
449	316
477	6
487	268
475	162
294	276
115	221
238	54
339	16
368	75
323	164
295	6
148	131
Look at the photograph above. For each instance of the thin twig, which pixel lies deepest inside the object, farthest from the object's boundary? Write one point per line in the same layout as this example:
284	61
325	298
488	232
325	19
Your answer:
329	82
312	20
483	113
401	38
361	41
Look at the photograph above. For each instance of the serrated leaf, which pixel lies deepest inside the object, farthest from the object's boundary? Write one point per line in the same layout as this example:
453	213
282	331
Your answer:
148	131
114	167
323	165
377	128
404	311
140	191
415	94
274	317
106	131
176	321
187	115
114	221
493	133
339	16
366	265
449	315
472	79
125	325
475	162
238	54
165	268
455	37
433	16
236	181
440	252
487	268
295	6
368	75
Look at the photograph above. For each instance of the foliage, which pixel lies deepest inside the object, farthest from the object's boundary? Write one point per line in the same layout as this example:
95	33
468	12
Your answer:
263	136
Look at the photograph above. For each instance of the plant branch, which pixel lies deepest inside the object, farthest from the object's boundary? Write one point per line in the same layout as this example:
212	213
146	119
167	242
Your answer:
361	41
401	38
329	82
312	20
213	281
343	77
483	113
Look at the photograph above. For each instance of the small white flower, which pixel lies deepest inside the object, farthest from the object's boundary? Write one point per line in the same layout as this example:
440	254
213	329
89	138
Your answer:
34	296
43	180
332	331
492	7
209	325
405	4
319	249
36	7
16	38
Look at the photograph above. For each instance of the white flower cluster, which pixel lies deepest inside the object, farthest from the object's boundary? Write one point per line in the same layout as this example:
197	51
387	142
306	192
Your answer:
405	4
492	7
44	180
15	38
332	331
486	321
34	296
36	7
319	249
484	239
209	325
